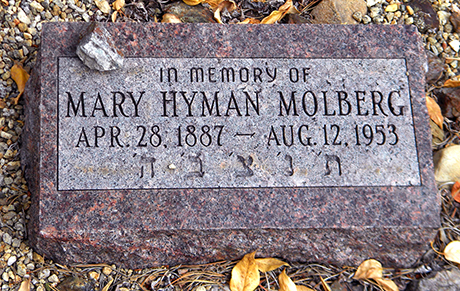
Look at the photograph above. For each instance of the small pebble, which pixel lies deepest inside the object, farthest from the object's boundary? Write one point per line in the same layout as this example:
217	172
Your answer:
106	271
30	266
22	27
409	20
392	8
94	275
35	5
12	260
367	19
410	10
23	17
21	269
358	16
7	238
53	279
44	274
455	45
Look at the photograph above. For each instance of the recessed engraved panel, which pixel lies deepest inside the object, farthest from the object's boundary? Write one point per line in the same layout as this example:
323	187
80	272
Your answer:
163	123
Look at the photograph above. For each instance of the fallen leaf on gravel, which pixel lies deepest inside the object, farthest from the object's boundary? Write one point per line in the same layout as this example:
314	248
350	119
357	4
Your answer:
193	2
245	275
452	251
277	15
20	76
25	285
446	163
114	16
229	5
434	111
387	285
286	284
118	4
451	83
213	3
456	191
170	18
250	21
369	269
269	264
273	17
103	5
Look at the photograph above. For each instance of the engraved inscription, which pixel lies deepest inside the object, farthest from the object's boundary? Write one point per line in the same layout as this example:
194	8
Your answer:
235	123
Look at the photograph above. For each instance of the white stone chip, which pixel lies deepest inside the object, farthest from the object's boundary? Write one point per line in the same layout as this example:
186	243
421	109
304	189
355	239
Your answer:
53	279
11	260
37	6
372	2
7	238
44	274
96	51
23	17
455	45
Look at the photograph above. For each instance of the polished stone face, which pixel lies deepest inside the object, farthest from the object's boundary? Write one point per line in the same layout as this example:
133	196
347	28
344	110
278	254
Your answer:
309	143
236	123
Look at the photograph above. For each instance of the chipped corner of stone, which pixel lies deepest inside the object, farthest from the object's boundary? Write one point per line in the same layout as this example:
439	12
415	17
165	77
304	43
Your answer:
98	52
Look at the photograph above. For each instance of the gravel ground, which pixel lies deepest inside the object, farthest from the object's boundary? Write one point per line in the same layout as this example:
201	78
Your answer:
21	23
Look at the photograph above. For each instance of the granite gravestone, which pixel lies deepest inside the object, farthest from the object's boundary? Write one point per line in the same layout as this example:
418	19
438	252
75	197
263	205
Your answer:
305	142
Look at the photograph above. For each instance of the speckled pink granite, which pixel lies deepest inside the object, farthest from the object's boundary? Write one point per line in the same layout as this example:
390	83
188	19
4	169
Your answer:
138	228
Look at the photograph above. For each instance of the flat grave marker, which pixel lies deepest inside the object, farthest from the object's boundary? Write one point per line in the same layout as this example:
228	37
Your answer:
212	141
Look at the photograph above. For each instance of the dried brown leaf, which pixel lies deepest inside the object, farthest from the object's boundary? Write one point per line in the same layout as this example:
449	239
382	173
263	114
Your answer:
245	275
170	18
387	285
118	4
114	16
272	18
193	2
434	111
20	76
451	83
213	3
369	269
456	191
287	8
25	285
249	21
452	251
269	264
229	5
103	5
286	284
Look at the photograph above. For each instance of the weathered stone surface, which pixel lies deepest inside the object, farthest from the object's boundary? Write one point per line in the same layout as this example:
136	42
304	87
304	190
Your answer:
138	201
338	11
96	50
